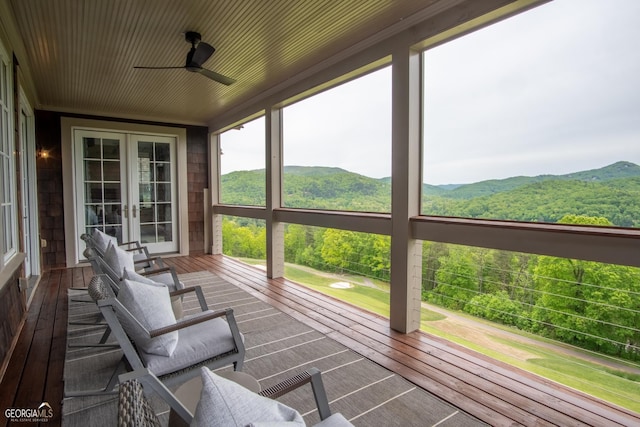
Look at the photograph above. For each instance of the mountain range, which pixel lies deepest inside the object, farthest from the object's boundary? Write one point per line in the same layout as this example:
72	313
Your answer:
612	192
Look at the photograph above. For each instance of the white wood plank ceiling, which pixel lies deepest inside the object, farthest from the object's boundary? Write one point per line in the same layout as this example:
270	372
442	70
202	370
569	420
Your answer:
81	53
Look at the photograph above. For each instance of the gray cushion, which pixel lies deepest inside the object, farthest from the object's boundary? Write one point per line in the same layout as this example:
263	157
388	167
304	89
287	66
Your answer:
224	403
151	306
167	279
176	302
198	343
162	278
335	420
118	259
102	240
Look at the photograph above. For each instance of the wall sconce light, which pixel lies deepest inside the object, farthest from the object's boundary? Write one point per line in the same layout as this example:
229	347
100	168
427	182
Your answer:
42	153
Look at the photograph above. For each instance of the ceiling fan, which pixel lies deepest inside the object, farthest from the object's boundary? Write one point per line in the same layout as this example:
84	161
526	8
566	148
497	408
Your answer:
198	55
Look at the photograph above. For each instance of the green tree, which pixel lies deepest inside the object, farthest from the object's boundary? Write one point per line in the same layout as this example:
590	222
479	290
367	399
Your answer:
590	304
456	279
497	307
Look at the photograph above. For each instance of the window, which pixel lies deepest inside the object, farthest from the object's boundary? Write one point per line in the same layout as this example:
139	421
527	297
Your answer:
535	117
8	219
242	180
337	147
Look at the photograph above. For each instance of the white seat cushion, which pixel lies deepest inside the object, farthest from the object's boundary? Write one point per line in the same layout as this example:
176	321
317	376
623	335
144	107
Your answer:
151	306
197	343
224	403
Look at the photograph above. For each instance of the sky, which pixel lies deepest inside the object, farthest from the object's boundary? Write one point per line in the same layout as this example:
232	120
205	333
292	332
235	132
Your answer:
551	91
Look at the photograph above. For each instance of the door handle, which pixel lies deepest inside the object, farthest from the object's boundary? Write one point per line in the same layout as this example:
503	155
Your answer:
125	211
134	210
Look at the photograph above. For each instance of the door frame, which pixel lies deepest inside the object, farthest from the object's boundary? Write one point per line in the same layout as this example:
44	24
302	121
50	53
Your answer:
30	191
68	125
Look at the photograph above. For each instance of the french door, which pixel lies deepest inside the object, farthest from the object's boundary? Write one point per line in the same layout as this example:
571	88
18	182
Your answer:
126	187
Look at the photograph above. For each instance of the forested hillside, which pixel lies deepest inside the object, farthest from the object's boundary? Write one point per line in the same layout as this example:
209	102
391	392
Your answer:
612	192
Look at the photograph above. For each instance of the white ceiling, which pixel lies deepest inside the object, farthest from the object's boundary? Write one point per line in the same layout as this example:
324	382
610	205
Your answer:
80	53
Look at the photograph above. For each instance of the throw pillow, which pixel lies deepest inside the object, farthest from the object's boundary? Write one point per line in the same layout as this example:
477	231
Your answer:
118	259
132	275
224	403
102	240
150	305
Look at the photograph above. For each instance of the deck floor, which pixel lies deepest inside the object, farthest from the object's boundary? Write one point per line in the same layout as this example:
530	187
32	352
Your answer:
492	391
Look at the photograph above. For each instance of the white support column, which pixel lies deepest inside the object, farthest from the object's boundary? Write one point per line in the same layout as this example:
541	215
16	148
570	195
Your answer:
275	229
406	252
214	179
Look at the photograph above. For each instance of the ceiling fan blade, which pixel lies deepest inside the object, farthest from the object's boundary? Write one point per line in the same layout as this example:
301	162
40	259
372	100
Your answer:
159	68
202	53
216	77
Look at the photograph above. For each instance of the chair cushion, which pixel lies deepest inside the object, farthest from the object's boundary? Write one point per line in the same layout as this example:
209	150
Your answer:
335	420
151	306
118	259
176	302
102	240
224	403
162	278
198	343
167	279
136	277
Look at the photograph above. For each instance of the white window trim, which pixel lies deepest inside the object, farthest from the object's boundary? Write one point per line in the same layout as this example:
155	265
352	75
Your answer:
11	252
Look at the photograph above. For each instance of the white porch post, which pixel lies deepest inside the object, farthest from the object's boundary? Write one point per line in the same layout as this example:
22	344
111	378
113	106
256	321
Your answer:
406	252
214	179
275	230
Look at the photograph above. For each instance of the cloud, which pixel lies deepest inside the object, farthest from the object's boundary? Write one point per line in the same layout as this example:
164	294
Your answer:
555	89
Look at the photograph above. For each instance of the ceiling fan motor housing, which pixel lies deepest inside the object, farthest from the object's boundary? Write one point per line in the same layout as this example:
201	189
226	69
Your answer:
192	37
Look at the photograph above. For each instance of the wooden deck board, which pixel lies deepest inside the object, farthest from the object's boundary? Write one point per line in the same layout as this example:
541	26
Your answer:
492	391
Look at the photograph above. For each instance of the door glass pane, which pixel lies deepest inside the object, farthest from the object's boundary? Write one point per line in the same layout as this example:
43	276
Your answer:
148	233
92	148
112	192
93	193
145	151
111	171
155	191
164	212
163	153
93	215
163	192
102	186
92	170
111	149
146	193
163	172
113	214
147	213
164	232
